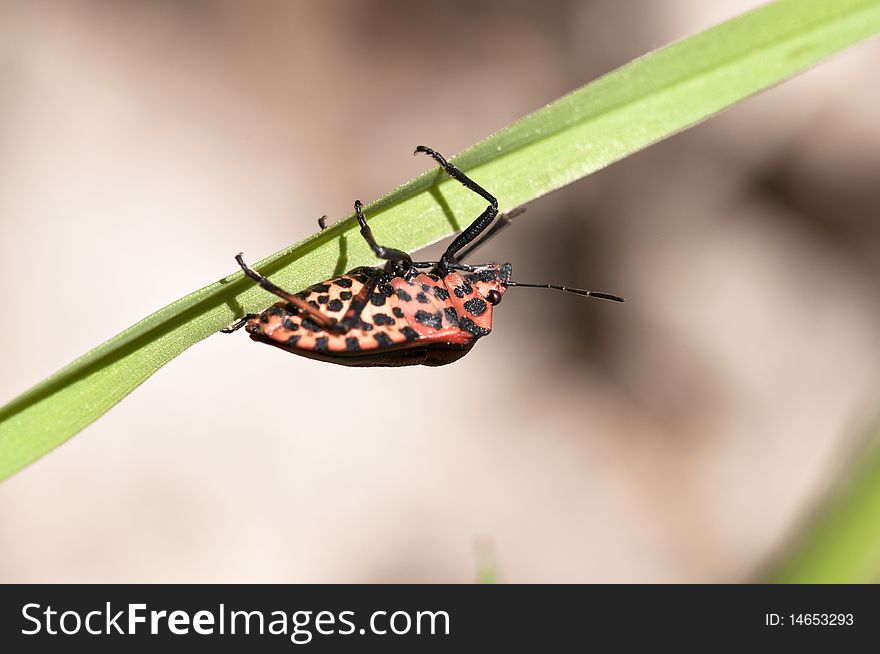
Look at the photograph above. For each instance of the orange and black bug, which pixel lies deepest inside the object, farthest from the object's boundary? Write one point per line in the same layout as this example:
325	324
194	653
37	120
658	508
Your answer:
396	315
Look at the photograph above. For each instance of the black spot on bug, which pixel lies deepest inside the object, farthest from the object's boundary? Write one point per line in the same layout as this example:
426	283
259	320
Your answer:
335	305
292	340
302	295
383	339
365	326
441	293
378	299
345	295
470	326
434	320
488	275
403	295
275	310
321	344
421	297
314	304
410	333
451	316
319	288
323	299
470	277
382	319
352	344
311	326
426	287
386	289
475	306
433	277
459	291
290	325
398	312
264	318
344	282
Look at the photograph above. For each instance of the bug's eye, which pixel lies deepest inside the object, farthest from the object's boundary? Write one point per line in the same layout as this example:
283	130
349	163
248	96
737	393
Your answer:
493	297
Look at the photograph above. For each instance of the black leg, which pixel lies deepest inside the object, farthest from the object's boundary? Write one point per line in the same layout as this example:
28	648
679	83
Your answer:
238	324
322	222
502	222
452	265
352	317
483	220
401	262
320	319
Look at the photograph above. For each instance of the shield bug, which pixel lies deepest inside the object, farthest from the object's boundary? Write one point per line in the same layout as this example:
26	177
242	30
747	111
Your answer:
396	315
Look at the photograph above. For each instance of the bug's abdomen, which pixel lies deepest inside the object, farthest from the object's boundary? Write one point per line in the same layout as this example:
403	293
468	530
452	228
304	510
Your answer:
399	315
474	313
425	304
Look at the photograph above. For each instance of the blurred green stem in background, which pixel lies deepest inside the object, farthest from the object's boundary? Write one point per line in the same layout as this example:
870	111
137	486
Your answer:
842	544
614	116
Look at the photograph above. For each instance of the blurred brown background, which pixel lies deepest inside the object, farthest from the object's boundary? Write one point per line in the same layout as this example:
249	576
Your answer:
684	436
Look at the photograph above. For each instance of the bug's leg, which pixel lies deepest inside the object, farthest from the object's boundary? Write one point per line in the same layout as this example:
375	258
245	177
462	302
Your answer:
483	220
352	317
456	263
502	223
238	324
322	222
453	265
504	220
401	262
320	319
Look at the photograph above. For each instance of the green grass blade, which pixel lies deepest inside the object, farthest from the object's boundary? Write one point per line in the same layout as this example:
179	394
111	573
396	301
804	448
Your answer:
621	113
842	545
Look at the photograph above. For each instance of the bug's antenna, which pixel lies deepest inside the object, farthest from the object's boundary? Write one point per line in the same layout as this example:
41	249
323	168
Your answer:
577	291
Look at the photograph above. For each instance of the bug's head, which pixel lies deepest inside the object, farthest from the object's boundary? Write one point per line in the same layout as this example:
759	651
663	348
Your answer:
490	281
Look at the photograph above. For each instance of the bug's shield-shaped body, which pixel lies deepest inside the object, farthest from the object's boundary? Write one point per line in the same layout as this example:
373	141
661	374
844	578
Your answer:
425	320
